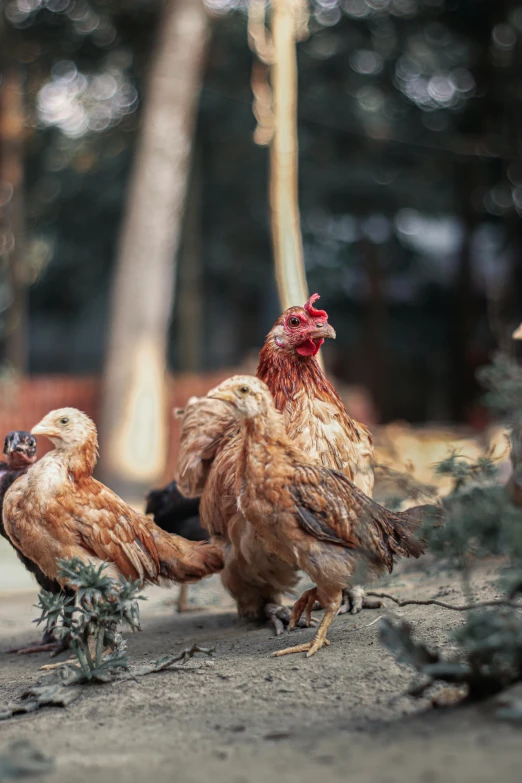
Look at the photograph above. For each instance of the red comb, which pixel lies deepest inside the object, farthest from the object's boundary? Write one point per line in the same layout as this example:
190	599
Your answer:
310	309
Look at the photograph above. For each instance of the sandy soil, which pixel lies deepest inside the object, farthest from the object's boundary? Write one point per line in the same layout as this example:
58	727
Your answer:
247	717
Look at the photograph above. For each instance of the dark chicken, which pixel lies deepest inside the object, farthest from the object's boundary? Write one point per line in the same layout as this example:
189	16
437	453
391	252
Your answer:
176	514
20	450
312	517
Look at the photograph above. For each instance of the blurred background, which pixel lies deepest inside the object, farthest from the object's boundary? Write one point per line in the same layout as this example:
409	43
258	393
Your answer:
135	221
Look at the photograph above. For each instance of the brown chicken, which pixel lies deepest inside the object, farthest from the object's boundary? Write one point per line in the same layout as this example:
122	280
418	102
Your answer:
58	510
310	516
315	417
316	421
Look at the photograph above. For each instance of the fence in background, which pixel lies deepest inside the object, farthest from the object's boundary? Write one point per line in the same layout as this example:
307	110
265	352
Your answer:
23	403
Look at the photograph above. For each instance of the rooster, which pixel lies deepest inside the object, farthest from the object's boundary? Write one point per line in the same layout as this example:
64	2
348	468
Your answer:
175	513
310	516
315	416
315	419
20	450
57	510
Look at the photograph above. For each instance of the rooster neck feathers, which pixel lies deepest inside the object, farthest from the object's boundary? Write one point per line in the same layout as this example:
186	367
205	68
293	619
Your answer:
288	374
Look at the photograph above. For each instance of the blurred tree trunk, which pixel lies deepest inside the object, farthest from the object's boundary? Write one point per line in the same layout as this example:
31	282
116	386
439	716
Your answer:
134	415
189	310
284	199
276	113
12	214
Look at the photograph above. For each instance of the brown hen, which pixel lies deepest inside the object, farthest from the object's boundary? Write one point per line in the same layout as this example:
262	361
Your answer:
316	421
310	516
57	510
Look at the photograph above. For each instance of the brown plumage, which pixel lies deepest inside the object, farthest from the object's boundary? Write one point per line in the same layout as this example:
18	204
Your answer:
315	417
316	421
58	510
312	517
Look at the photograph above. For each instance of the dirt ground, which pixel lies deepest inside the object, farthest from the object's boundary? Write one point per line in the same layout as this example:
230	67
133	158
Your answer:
246	717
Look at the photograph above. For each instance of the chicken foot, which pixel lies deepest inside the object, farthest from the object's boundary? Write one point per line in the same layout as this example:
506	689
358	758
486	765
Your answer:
305	604
48	644
281	616
355	600
74	661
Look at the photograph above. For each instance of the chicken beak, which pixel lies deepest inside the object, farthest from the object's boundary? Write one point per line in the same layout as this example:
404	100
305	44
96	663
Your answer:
224	395
323	332
43	429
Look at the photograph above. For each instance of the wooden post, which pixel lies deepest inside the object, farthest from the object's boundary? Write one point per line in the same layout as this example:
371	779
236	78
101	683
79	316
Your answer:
276	113
284	199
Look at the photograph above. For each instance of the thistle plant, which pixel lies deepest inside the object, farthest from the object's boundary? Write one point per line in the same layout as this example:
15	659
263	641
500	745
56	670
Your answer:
103	604
482	520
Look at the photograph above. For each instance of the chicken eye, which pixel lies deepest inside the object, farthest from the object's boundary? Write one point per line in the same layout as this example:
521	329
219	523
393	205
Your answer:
64	420
294	321
244	389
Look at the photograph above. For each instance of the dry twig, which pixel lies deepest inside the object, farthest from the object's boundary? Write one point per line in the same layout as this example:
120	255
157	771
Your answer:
442	604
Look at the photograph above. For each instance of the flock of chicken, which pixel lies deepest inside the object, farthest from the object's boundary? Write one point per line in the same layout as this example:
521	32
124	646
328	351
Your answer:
282	475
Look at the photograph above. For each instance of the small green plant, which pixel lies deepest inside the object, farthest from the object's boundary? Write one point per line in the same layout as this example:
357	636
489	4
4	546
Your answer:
91	624
480	521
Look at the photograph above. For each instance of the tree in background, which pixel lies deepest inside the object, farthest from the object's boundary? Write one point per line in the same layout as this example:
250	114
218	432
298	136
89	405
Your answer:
134	399
409	169
276	110
12	94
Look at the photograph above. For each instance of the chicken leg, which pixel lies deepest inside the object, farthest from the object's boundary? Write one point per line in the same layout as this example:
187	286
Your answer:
48	644
257	581
306	602
183	599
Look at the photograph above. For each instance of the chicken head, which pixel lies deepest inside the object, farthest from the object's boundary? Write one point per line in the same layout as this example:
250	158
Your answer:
302	329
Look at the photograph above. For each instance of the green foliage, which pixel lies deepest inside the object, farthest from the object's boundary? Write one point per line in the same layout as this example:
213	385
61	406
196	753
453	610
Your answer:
464	470
503	380
91	624
480	521
484	666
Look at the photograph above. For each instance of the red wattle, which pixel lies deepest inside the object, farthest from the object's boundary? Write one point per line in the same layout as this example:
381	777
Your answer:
309	347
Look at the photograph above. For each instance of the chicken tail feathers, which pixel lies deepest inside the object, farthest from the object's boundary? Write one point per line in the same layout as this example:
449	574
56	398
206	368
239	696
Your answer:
401	539
407	524
395	535
185	561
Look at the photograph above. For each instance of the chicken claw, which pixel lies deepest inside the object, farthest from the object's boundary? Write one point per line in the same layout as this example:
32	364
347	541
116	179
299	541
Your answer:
49	667
307	600
281	618
310	648
355	600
